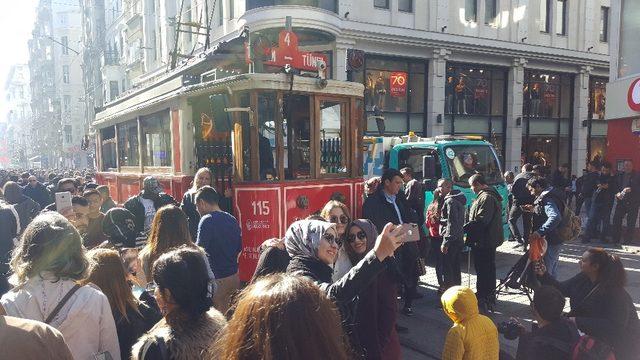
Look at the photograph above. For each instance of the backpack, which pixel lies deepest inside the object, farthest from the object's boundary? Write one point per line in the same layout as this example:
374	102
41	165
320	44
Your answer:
585	348
571	224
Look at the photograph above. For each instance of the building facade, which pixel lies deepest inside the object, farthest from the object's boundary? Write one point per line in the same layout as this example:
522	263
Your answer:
18	100
623	112
57	90
528	75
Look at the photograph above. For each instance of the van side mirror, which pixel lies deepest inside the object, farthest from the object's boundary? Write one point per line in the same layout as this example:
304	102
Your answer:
428	167
221	119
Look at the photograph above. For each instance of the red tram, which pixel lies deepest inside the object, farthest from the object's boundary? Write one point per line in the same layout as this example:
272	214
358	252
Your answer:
281	145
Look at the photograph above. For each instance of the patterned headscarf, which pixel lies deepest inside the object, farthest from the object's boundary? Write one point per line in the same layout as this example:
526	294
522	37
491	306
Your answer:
303	238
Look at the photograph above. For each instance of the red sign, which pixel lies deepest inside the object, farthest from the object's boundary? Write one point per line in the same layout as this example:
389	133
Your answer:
258	211
633	96
287	53
398	84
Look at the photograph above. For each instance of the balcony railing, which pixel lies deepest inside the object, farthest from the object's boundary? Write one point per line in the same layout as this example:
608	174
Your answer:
330	5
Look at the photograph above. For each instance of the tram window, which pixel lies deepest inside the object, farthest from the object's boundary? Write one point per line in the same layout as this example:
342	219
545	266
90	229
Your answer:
128	143
108	147
296	128
156	139
331	135
267	136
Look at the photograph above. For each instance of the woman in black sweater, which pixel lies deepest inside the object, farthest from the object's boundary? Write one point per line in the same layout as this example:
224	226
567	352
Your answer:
600	306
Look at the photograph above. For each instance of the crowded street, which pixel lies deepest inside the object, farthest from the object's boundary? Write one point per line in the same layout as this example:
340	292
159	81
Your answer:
320	179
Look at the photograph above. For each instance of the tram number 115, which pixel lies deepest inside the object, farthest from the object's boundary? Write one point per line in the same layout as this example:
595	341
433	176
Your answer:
261	208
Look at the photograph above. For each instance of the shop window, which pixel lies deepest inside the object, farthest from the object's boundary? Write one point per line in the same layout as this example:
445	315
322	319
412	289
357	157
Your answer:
330	5
381	4
296	128
108	149
468	91
604	23
416	92
490	12
267	115
561	17
597	98
156	139
128	143
545	11
470	10
332	146
405	5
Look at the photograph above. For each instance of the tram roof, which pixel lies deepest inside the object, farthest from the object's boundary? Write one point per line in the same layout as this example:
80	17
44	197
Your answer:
173	89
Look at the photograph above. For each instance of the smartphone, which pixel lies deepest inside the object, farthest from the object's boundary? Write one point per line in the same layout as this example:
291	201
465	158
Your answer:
63	201
412	231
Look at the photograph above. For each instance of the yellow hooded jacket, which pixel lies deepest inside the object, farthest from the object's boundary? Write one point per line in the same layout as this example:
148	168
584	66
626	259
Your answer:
473	336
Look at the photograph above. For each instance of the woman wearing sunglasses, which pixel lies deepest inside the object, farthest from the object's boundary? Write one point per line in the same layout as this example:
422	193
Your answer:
313	246
376	313
337	213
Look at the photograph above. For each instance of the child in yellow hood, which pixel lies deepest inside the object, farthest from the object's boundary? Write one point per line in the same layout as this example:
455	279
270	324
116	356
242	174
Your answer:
473	336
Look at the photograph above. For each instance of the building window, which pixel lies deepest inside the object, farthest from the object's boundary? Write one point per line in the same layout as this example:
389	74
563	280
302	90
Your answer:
396	89
597	129
561	17
547	112
330	5
108	138
604	24
405	5
128	143
475	99
381	4
68	134
65	45
156	139
545	11
66	103
470	10
113	90
65	74
490	12
628	63
232	9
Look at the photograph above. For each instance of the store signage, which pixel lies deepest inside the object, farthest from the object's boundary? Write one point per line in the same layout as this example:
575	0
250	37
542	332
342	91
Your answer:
287	53
398	84
633	96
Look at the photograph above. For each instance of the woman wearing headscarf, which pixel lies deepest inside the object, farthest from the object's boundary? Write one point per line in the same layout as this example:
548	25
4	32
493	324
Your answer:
377	308
313	246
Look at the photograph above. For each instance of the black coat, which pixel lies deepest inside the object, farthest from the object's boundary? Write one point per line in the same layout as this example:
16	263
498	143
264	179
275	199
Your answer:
39	194
377	209
7	234
189	207
552	342
632	199
608	313
137	209
344	292
138	323
521	195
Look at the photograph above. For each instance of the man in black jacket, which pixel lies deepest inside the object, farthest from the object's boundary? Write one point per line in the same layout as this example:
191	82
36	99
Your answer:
589	185
601	203
521	196
145	205
37	192
555	336
388	205
628	196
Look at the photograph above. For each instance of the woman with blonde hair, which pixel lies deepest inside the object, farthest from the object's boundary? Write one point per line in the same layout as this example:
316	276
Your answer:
202	178
47	265
283	317
133	317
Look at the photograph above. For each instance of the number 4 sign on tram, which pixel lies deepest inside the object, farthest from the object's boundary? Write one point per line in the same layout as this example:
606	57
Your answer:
287	53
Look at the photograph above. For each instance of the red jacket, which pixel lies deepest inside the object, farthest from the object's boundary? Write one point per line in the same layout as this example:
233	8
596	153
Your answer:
432	226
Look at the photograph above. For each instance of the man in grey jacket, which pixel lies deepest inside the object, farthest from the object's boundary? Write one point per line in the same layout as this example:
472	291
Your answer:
452	231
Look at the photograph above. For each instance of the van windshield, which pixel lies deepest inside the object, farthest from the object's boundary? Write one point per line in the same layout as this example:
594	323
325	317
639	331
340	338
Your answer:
467	160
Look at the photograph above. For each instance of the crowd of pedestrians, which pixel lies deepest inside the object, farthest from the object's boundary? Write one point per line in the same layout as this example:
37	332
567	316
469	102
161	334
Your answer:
158	279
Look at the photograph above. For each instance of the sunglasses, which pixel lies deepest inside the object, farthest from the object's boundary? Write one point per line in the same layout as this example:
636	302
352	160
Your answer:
331	239
343	219
361	235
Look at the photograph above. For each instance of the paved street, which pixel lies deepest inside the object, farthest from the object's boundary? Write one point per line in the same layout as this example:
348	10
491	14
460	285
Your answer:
429	325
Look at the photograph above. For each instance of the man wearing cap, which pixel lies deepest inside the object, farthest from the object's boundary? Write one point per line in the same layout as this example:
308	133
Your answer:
144	205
